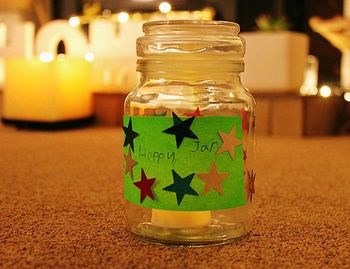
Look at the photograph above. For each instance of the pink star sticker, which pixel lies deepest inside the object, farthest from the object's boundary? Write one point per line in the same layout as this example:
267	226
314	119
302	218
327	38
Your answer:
229	142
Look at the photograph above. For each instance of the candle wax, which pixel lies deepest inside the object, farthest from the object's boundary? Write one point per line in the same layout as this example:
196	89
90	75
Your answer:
170	218
180	219
47	91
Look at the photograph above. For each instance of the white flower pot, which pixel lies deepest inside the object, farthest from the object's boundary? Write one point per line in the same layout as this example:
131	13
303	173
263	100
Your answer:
274	61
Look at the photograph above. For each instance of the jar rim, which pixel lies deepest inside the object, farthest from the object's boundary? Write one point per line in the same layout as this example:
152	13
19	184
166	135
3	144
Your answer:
199	22
232	25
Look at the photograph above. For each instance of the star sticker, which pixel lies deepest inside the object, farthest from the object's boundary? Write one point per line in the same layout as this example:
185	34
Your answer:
145	186
130	135
197	113
129	164
251	188
181	186
230	142
245	119
181	129
213	180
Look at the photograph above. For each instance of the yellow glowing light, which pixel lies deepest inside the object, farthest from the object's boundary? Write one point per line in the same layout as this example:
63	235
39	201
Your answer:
164	7
74	21
308	90
347	96
46	57
123	17
89	56
325	91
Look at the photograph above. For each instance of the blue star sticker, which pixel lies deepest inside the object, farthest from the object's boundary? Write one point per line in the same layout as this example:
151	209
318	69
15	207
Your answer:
181	129
130	135
181	186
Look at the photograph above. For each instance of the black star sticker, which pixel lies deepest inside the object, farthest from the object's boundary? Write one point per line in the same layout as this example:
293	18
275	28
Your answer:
130	135
181	186
181	129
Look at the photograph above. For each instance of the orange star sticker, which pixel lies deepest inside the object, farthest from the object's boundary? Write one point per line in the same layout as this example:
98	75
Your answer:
230	142
129	164
213	180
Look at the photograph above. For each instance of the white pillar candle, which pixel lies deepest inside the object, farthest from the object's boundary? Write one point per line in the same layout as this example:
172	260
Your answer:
52	33
3	34
2	44
103	37
107	39
309	86
18	40
46	91
115	50
345	61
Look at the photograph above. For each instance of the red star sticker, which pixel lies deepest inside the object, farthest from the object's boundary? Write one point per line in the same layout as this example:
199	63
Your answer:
251	188
197	113
244	155
145	186
245	120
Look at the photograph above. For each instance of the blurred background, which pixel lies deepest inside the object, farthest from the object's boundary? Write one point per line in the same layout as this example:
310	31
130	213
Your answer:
66	64
244	12
304	43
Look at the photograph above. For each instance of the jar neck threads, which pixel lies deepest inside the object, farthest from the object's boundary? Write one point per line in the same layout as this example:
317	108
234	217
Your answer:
190	47
189	70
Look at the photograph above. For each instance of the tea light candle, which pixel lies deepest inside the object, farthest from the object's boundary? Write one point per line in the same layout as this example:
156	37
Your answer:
171	218
46	90
180	219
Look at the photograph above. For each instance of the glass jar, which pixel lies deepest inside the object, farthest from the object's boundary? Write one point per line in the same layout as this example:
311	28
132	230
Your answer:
189	136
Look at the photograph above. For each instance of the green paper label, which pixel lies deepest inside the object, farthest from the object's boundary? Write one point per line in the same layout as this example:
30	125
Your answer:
187	164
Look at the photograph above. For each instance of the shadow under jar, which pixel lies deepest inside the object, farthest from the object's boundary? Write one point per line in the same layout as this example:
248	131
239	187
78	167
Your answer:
189	136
